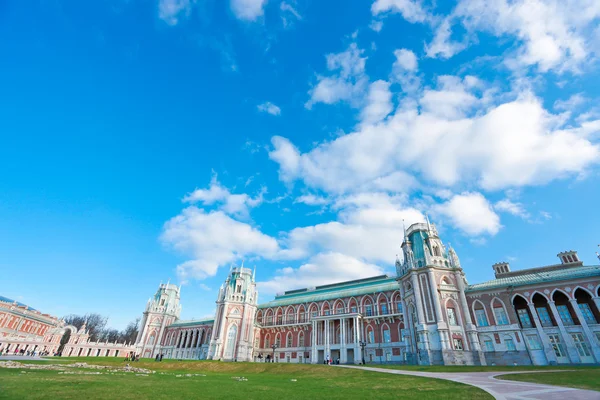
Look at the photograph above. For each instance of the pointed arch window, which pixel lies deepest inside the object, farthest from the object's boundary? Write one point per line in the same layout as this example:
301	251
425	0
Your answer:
288	340
387	338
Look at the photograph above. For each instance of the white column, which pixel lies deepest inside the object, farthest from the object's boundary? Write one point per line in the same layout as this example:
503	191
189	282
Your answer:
567	339
326	322
343	351
597	302
550	355
586	329
417	293
313	343
434	294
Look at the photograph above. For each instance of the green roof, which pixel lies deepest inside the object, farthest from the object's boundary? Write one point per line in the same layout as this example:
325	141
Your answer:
536	277
327	292
192	322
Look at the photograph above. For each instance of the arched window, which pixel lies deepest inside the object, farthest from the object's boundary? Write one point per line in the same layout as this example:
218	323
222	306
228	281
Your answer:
278	340
543	310
353	308
314	311
383	305
339	307
586	306
563	307
301	339
289	316
370	335
499	312
436	251
267	341
301	314
326	308
368	307
480	314
487	344
522	310
387	338
288	340
451	312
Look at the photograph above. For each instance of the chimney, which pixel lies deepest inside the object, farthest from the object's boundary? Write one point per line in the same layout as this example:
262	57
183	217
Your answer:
501	268
568	257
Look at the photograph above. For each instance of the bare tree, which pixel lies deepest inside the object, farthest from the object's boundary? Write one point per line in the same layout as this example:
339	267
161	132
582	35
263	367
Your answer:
95	324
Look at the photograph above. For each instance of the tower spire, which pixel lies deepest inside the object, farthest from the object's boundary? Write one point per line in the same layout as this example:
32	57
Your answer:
428	223
254	274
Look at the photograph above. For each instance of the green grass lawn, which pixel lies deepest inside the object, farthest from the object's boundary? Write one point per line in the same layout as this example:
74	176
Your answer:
265	381
582	379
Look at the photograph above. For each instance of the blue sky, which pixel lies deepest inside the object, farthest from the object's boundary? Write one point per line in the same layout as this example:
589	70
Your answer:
152	140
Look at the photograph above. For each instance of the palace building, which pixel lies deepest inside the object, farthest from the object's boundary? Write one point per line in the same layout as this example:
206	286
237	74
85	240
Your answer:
427	314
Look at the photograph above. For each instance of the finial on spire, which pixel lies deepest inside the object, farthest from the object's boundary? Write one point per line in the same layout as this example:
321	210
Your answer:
254	274
428	223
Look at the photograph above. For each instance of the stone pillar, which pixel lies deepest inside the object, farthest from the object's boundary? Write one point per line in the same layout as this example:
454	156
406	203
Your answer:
567	339
344	353
434	294
548	350
597	302
586	329
471	330
417	293
313	343
326	341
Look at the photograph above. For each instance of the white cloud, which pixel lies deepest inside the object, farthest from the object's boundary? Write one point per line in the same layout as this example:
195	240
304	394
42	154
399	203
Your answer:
404	71
213	239
320	269
248	10
406	60
377	26
442	46
508	206
471	213
287	156
379	103
311	200
571	103
171	11
369	228
492	141
269	107
411	10
289	14
551	34
233	204
347	84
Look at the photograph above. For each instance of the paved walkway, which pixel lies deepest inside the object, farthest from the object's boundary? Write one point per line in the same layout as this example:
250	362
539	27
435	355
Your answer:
500	389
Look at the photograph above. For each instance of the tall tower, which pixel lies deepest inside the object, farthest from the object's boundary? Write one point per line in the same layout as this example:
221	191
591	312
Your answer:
233	333
161	311
432	284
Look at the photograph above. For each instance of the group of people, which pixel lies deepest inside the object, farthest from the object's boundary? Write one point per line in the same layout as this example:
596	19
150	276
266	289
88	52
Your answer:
132	357
329	361
158	357
23	352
